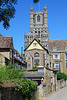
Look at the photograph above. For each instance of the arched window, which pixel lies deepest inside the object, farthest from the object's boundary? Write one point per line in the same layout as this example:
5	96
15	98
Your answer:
38	18
36	59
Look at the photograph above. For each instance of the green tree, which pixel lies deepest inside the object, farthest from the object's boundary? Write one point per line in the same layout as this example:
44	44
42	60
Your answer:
61	76
35	1
7	11
1	35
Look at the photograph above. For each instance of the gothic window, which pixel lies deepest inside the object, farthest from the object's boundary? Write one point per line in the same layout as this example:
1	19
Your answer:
39	41
39	33
35	31
38	18
29	65
36	59
33	18
28	58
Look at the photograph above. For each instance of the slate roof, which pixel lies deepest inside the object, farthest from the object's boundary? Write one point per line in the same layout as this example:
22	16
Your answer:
5	42
34	75
59	44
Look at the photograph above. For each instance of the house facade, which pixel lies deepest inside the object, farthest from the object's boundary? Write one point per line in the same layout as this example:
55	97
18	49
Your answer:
36	55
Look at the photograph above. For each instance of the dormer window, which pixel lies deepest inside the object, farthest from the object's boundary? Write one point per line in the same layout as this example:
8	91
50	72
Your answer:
54	48
38	18
34	44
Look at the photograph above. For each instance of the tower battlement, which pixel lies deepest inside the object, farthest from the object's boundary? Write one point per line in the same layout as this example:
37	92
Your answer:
38	25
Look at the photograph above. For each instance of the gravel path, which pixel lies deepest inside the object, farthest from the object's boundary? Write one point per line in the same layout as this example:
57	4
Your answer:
59	95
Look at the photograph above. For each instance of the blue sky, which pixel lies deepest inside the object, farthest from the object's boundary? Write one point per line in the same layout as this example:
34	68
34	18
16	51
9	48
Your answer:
57	20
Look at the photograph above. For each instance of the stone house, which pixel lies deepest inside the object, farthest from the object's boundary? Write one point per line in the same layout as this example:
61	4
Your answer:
8	55
6	48
36	55
59	55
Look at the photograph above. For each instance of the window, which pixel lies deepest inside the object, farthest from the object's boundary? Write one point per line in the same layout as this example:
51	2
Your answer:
36	59
66	64
56	56
65	48
29	65
56	65
54	48
34	44
35	31
66	56
28	58
38	18
39	41
39	33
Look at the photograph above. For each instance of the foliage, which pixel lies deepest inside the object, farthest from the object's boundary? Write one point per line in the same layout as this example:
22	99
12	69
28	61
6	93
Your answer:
7	11
61	76
28	87
25	85
35	68
1	35
35	1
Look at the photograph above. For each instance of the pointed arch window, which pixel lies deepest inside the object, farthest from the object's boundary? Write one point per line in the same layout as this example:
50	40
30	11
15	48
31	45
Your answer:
38	18
36	59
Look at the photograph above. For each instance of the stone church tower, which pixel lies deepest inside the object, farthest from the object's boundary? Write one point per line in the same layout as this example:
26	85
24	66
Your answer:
38	28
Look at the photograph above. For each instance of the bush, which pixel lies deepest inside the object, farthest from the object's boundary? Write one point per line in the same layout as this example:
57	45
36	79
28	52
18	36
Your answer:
35	68
61	76
27	86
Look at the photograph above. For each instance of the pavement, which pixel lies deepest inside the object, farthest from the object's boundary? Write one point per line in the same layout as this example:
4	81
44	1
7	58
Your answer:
59	95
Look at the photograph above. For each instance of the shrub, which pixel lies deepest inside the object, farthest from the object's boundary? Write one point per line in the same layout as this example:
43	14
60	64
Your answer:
61	76
25	85
35	68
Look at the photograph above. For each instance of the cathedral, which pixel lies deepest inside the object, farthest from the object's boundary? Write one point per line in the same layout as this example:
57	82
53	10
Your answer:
39	50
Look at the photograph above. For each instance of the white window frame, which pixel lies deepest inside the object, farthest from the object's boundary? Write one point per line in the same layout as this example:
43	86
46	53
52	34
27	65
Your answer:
56	58
57	63
65	48
65	56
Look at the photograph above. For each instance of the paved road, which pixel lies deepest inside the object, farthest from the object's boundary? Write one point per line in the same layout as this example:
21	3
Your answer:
60	95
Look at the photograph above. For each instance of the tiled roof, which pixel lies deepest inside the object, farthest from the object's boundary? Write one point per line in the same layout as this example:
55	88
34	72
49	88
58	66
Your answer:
5	42
59	44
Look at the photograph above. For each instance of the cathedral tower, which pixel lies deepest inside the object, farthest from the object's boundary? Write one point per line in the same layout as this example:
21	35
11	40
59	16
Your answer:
38	28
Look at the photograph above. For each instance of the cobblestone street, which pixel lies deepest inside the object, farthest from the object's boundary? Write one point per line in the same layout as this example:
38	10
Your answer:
59	95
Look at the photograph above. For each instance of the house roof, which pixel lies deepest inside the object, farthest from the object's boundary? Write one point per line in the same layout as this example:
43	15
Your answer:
37	42
59	44
17	52
5	42
32	75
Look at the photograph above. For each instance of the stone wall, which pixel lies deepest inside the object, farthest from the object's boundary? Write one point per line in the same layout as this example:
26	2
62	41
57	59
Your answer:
9	93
